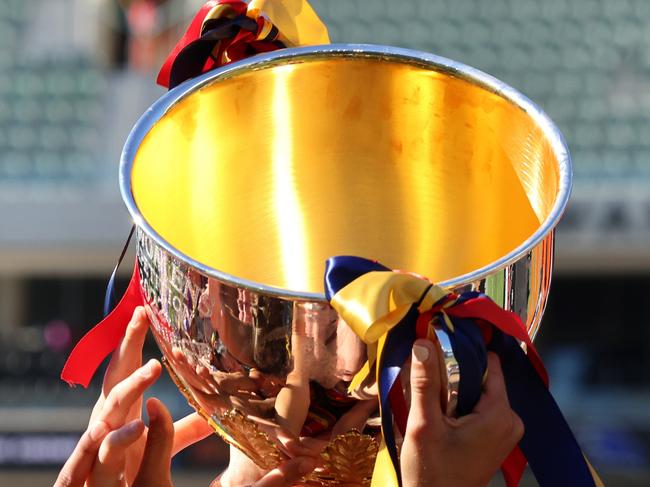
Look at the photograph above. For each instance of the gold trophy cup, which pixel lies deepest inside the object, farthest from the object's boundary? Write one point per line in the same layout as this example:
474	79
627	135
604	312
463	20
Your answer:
242	182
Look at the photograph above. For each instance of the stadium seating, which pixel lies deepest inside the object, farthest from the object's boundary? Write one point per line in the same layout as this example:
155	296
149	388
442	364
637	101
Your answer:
586	62
49	111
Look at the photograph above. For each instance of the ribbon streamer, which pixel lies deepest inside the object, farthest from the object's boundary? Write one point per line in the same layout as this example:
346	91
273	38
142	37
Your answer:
105	336
224	31
387	310
109	297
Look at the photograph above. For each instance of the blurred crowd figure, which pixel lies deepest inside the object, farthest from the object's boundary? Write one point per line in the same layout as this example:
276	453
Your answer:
138	34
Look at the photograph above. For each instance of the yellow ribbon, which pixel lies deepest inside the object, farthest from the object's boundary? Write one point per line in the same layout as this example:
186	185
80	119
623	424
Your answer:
295	19
375	302
372	305
384	475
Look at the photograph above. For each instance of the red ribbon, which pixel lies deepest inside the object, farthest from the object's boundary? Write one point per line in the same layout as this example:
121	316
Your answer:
103	338
235	49
192	33
507	322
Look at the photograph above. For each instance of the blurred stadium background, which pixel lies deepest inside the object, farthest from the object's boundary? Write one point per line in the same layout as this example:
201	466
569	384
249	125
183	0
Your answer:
76	74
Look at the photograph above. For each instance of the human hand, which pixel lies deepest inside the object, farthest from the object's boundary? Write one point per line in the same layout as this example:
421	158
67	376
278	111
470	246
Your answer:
466	451
154	468
112	449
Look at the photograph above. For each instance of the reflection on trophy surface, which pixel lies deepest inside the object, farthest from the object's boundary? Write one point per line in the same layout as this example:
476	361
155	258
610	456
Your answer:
419	162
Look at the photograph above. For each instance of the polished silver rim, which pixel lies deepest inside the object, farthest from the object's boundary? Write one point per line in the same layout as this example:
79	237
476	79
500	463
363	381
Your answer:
479	78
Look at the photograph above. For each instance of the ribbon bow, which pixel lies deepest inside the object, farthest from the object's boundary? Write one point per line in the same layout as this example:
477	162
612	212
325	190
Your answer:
224	31
389	310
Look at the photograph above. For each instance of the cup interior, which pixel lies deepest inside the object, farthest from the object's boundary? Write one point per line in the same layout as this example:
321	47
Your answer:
266	173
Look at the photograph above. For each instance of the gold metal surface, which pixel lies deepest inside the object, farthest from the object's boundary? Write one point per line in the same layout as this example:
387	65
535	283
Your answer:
267	174
254	443
348	459
241	432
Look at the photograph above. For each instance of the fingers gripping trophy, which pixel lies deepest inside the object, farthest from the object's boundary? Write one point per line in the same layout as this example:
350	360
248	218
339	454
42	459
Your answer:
305	211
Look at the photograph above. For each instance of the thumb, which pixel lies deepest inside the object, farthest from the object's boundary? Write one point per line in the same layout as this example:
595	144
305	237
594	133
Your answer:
425	385
155	468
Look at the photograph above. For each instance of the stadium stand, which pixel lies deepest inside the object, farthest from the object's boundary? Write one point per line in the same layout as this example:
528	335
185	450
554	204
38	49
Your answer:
50	111
586	62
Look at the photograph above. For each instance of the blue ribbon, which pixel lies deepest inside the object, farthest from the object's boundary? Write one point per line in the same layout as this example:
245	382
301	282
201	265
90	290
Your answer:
109	297
548	444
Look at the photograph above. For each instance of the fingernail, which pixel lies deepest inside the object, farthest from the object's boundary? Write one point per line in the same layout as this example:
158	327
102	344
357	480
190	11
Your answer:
147	370
306	465
135	321
152	411
420	353
132	427
98	430
127	432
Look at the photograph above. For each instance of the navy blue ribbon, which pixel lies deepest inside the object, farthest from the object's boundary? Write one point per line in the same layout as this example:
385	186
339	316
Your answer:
109	296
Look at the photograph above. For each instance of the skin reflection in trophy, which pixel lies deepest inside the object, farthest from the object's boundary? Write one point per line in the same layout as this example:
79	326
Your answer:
290	377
